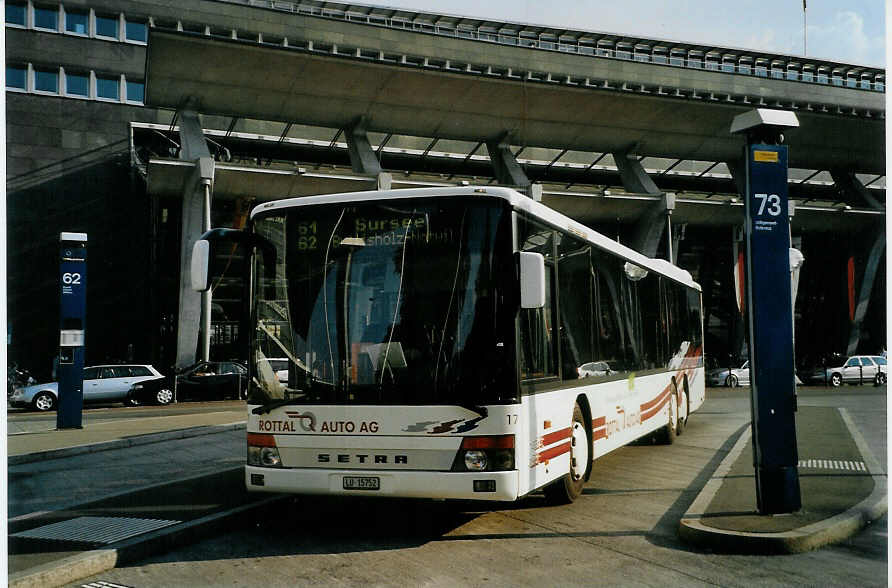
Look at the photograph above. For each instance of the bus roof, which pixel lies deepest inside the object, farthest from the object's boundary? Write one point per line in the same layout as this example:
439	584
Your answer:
517	200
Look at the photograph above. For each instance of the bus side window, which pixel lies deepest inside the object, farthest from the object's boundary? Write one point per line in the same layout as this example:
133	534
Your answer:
576	291
536	336
611	335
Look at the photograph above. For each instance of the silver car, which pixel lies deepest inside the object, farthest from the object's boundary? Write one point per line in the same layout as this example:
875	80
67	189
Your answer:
594	369
856	369
732	377
102	383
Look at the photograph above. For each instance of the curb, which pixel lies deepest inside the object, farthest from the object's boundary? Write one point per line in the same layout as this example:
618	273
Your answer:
807	538
146	439
83	565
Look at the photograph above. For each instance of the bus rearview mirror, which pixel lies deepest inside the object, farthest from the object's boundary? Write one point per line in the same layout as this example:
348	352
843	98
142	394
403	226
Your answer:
200	261
532	280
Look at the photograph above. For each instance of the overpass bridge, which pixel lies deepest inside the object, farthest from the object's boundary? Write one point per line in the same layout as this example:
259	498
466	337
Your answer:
613	128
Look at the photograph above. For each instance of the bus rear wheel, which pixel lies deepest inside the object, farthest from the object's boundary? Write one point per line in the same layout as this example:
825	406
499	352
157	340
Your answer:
569	487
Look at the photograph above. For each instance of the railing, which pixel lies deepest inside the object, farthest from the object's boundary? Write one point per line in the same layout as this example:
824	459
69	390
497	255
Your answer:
840	75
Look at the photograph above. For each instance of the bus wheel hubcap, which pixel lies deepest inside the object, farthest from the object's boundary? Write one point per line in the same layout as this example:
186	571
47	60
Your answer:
579	451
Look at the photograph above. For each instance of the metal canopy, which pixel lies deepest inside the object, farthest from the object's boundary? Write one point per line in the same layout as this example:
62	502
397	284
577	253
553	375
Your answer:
237	78
166	177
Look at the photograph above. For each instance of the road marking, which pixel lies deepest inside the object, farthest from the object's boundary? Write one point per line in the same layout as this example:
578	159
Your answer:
833	464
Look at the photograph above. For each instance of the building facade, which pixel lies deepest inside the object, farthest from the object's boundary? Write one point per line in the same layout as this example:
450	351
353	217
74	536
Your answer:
80	139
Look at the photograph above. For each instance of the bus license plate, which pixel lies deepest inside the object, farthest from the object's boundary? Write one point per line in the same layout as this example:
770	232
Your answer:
362	483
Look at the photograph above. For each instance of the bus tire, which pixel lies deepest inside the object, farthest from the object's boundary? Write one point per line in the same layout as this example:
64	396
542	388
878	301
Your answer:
569	487
683	413
670	431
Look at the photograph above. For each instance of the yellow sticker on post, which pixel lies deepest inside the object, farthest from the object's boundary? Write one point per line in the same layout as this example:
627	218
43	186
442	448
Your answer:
765	156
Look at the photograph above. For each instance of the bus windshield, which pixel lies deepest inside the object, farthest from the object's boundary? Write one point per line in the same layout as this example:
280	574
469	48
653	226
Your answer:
389	302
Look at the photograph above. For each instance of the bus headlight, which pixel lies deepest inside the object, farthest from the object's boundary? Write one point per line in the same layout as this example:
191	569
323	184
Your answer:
485	454
269	457
262	451
475	460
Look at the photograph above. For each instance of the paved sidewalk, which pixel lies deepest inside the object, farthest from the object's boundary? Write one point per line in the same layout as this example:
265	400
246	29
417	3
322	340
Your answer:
110	434
842	485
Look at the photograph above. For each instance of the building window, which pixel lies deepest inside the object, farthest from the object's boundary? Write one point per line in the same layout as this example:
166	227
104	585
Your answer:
77	84
46	18
135	91
17	14
76	22
17	77
135	31
107	26
46	80
107	87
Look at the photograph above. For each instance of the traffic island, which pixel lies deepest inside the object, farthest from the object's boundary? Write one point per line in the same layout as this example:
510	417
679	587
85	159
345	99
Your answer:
843	489
60	547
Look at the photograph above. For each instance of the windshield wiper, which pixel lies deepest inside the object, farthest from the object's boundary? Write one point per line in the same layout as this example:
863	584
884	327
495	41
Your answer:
271	406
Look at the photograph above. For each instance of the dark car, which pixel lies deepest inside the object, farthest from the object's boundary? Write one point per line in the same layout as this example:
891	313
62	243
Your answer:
213	380
155	391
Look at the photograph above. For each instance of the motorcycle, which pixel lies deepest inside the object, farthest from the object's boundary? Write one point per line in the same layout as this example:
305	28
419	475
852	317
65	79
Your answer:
17	377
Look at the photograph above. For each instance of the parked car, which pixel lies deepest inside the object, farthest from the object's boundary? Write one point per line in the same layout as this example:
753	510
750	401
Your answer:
102	383
856	369
154	391
213	380
731	377
594	369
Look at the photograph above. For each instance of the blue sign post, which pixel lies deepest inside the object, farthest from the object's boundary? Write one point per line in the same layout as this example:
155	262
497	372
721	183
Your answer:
773	394
72	326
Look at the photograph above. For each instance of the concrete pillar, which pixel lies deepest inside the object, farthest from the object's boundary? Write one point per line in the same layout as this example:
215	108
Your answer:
362	156
657	221
633	176
197	193
864	292
652	225
852	188
505	167
849	184
677	238
384	181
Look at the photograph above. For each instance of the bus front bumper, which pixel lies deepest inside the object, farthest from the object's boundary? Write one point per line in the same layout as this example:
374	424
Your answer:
447	485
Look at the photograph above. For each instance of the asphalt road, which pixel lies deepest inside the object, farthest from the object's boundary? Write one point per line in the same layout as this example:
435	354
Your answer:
621	531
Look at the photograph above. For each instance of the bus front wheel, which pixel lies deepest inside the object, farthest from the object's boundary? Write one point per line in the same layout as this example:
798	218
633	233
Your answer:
684	411
670	431
569	487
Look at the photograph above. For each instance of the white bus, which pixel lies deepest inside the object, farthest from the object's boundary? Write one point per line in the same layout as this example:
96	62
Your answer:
456	343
